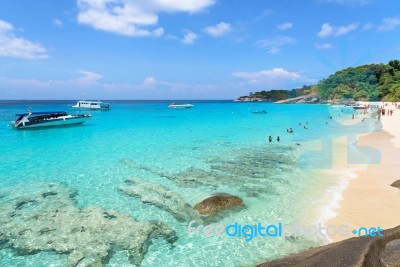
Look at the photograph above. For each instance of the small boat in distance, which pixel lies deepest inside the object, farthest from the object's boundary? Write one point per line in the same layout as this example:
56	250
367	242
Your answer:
259	112
95	105
47	118
180	106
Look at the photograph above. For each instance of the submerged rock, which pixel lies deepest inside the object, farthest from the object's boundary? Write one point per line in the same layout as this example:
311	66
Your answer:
46	218
160	197
218	203
396	184
355	252
253	171
163	198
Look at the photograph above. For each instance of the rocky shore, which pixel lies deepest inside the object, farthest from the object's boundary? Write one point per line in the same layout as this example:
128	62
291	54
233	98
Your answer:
305	99
355	252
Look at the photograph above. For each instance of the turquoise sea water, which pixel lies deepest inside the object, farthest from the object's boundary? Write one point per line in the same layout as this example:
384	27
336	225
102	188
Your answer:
217	146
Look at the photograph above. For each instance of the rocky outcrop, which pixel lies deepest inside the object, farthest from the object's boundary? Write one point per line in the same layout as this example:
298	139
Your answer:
165	199
354	252
305	99
218	203
44	217
160	197
249	170
250	99
396	184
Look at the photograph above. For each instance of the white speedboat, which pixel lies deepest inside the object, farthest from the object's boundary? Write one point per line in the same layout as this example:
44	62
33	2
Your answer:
95	105
357	106
180	106
48	118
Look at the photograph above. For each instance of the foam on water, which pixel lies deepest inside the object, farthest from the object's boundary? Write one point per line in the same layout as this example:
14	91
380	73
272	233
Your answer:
213	147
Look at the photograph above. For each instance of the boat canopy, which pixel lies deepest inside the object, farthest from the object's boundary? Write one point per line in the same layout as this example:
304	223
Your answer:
43	113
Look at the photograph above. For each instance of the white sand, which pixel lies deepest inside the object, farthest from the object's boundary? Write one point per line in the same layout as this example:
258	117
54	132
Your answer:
369	200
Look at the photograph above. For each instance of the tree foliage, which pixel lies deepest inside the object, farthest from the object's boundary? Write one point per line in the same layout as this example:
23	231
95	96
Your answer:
371	82
368	82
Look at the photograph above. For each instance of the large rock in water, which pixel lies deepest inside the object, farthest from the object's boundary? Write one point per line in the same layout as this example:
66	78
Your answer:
44	217
365	251
160	197
218	203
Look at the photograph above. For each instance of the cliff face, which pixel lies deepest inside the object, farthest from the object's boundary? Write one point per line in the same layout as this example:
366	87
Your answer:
366	251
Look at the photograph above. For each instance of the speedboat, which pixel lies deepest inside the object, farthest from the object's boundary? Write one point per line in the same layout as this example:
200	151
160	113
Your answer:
357	106
180	106
47	118
95	105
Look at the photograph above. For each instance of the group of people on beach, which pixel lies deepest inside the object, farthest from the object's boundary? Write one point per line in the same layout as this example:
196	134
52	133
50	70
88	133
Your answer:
383	111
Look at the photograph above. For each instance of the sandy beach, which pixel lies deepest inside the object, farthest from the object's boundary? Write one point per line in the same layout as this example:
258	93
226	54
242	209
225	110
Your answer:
368	199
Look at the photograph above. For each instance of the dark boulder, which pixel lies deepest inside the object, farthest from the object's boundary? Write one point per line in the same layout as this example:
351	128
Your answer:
218	203
396	184
354	252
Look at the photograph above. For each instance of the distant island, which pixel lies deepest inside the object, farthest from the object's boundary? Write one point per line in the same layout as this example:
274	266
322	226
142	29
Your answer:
372	82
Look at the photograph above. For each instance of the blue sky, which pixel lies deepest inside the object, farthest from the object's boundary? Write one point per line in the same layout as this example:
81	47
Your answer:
186	49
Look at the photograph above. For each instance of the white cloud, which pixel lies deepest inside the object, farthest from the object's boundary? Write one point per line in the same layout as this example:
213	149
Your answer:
218	30
132	17
189	37
348	2
17	47
275	44
273	74
149	82
368	26
285	26
91	85
323	46
57	22
273	78
389	24
265	13
88	78
328	30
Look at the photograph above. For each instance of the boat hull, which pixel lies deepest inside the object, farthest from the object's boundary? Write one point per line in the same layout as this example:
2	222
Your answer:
185	106
53	123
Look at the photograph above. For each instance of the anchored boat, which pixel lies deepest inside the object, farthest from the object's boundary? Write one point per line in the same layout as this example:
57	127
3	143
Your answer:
95	105
47	118
180	106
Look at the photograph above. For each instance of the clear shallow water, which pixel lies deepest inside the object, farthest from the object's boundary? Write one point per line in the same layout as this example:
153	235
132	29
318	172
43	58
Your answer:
214	147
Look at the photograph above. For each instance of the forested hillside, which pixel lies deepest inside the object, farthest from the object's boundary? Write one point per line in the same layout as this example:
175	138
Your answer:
368	82
371	82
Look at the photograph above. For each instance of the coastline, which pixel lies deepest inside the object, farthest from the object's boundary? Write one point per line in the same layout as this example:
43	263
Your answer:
367	199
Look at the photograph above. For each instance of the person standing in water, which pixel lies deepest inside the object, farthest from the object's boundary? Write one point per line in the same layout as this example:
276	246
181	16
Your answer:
270	139
278	139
